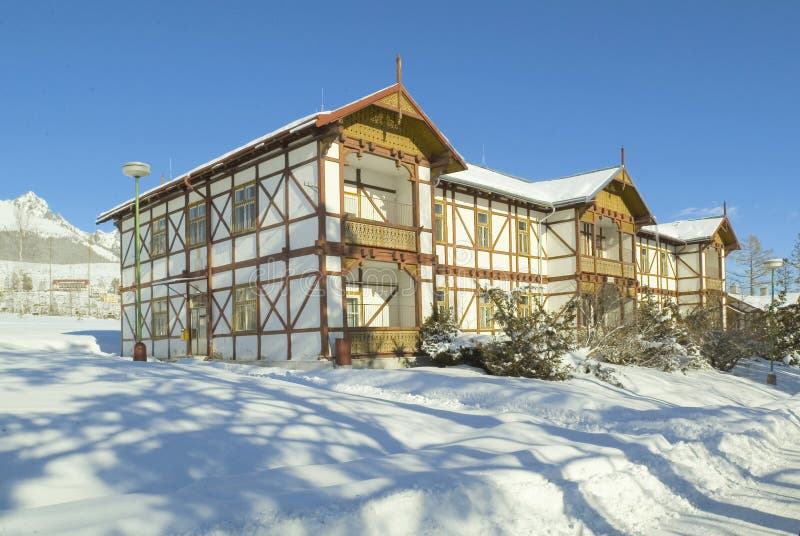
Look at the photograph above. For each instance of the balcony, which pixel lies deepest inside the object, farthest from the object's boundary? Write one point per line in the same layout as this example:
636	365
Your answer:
379	210
370	234
385	341
607	267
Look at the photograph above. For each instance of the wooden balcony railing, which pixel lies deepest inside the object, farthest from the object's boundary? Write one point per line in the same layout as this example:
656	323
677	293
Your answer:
384	341
382	236
607	267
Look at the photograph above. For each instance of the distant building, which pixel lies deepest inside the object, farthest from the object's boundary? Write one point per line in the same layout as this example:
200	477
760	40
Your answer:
70	284
356	223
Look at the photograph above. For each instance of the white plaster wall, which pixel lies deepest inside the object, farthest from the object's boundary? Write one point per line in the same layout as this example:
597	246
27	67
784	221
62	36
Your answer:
275	347
303	233
245	247
306	346
221	254
244	176
246	347
332	190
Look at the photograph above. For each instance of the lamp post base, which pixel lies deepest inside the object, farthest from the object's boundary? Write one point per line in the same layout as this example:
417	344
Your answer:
139	352
772	379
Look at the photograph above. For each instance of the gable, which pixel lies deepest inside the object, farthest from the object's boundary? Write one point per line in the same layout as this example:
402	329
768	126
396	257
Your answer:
392	120
384	128
622	197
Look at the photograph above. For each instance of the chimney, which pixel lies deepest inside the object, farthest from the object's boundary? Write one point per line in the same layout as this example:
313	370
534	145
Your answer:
734	288
764	291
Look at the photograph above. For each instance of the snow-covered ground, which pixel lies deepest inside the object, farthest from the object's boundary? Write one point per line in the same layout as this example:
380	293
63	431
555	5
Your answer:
92	443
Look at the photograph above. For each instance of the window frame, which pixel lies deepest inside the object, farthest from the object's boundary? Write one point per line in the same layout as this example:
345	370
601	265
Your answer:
485	304
588	248
442	305
524	309
237	304
354	296
159	335
439	222
235	229
190	221
158	233
486	226
524	237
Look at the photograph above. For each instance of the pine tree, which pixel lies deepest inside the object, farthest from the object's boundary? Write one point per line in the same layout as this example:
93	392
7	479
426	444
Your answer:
437	335
533	340
749	262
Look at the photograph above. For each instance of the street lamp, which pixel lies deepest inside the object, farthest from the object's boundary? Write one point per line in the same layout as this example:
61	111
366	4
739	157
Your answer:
137	170
772	265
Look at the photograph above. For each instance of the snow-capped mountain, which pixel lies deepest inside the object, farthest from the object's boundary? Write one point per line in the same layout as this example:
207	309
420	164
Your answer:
30	230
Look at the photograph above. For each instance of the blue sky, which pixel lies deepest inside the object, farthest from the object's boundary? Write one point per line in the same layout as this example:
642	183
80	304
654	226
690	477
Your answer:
702	94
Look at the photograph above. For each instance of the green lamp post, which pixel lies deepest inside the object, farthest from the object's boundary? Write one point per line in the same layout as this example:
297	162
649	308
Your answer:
137	170
772	265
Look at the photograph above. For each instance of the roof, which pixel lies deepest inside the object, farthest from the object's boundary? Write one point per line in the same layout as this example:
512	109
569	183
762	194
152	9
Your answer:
578	188
762	302
697	230
317	119
289	128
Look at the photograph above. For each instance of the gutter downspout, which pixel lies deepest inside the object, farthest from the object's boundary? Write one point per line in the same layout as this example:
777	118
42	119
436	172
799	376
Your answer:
539	247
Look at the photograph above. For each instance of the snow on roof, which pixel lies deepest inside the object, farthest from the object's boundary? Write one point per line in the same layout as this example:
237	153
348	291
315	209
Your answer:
762	302
318	118
294	126
686	230
561	191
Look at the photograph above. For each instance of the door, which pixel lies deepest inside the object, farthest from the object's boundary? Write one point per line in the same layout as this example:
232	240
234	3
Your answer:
199	326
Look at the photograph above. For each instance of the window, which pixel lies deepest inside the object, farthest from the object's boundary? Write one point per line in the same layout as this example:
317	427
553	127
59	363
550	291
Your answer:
441	301
353	311
439	229
664	264
482	231
523	238
197	224
486	313
244	308
600	244
628	251
160	326
645	264
244	208
587	239
523	305
158	241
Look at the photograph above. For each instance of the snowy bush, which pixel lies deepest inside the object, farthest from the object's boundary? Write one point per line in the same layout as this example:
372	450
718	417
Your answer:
533	341
437	335
723	349
656	338
604	374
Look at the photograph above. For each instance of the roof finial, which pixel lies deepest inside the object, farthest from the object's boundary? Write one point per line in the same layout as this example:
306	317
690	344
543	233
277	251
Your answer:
622	156
724	208
399	70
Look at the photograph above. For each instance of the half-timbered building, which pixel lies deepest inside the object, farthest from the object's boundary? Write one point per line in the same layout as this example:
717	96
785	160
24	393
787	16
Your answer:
357	223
